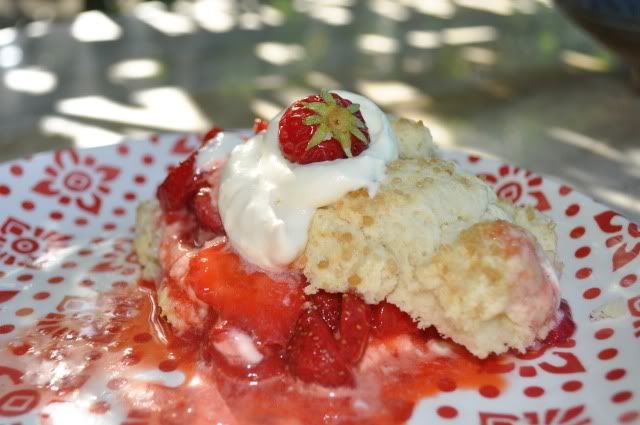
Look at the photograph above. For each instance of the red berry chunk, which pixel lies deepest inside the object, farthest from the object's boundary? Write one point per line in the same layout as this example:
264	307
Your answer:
564	329
206	211
180	185
259	125
313	355
210	135
249	300
354	328
182	182
387	320
322	128
329	306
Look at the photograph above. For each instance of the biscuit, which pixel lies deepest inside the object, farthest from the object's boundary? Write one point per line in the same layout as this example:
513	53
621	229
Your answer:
414	139
380	241
393	246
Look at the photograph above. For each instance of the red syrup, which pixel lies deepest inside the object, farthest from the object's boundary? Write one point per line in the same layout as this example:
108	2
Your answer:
100	345
565	328
559	336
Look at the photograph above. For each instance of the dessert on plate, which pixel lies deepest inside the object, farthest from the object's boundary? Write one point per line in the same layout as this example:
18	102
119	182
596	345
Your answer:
334	245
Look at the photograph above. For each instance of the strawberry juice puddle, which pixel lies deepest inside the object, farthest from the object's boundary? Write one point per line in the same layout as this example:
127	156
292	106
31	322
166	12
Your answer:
116	355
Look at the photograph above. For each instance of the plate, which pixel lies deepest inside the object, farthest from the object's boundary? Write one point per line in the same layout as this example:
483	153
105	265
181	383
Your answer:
65	237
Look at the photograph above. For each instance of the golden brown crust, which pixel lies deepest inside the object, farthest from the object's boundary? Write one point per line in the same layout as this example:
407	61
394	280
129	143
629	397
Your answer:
418	242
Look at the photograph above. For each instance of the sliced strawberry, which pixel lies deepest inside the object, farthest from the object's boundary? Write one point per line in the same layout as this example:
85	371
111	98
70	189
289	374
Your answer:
249	300
564	329
259	125
387	320
329	306
180	185
185	225
313	355
354	328
210	135
206	211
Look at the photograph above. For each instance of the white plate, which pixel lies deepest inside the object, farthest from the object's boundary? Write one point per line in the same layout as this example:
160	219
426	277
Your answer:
65	234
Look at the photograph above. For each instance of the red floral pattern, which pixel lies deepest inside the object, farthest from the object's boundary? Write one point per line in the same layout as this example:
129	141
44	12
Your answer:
24	245
514	183
600	255
16	401
634	309
558	360
557	416
72	178
625	239
121	259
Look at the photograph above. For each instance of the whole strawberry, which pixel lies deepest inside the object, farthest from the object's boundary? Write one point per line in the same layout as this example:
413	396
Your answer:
322	128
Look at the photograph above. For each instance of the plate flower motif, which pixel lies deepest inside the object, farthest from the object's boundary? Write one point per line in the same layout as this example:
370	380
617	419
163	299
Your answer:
624	239
560	360
517	184
556	416
121	259
594	378
23	244
75	179
19	402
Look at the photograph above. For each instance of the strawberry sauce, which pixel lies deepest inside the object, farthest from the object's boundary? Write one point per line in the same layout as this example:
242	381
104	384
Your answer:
114	355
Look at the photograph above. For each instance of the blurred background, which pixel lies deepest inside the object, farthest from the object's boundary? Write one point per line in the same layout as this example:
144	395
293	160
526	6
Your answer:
516	79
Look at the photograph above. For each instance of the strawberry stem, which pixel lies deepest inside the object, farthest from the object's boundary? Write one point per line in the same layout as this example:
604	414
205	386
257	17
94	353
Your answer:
334	121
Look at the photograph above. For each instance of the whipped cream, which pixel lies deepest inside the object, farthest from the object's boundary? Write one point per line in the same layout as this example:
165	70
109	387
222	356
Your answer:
267	203
216	151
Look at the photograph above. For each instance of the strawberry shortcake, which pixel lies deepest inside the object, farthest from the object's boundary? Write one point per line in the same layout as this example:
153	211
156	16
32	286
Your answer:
331	228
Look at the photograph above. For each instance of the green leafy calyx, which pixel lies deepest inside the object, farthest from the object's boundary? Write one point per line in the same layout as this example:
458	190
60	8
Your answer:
334	121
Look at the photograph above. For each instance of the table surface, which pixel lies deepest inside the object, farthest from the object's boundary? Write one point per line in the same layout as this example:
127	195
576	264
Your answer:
514	79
